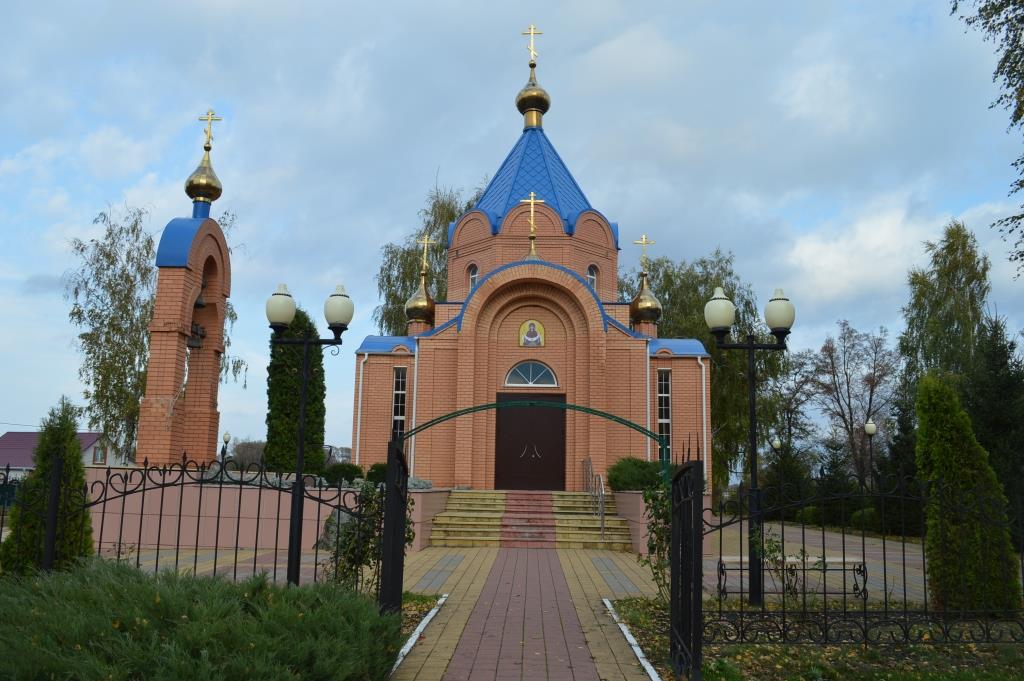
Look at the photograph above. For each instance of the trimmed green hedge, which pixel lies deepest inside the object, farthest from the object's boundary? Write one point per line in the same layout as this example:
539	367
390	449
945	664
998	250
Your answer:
104	620
378	473
865	519
632	474
808	515
336	473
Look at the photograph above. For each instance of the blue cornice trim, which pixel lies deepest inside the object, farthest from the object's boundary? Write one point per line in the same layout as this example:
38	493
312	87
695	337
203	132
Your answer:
436	330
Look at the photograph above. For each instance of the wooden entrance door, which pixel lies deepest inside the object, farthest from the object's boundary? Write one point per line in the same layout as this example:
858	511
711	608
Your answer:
529	447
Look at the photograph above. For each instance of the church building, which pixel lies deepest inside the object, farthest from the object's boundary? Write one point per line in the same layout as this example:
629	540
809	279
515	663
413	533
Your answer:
532	313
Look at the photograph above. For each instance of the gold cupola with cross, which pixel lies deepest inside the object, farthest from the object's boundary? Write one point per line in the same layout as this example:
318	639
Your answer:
419	309
645	308
203	185
533	101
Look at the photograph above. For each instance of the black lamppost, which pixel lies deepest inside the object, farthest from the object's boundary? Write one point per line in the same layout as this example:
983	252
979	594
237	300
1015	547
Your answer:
870	429
338	310
224	448
720	314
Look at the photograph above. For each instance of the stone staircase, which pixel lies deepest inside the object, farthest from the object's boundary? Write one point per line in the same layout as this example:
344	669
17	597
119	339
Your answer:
528	520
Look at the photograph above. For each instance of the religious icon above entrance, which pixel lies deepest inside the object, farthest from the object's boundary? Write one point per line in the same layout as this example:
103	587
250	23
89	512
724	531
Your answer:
531	334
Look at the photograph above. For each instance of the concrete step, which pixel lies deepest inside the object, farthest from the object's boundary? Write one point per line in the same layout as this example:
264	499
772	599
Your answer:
497	542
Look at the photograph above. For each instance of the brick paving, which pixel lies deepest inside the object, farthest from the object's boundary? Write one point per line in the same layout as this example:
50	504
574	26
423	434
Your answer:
553	626
524	625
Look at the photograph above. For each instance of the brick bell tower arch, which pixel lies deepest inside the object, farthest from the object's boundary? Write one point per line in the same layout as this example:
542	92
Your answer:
178	416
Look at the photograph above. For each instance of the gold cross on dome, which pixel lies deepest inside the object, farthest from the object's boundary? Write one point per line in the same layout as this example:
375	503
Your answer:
532	31
209	117
425	241
533	201
644	242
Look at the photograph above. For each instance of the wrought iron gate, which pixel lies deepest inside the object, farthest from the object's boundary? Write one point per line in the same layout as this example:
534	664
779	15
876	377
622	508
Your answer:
686	561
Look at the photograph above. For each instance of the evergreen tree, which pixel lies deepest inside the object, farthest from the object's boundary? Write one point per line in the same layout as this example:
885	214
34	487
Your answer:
994	399
898	502
284	383
22	550
970	561
836	484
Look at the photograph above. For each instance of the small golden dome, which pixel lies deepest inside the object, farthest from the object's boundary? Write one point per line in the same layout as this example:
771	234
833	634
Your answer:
203	184
533	101
420	306
645	307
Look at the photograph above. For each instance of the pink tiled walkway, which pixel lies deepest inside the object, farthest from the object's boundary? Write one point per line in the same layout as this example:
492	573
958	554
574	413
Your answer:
524	626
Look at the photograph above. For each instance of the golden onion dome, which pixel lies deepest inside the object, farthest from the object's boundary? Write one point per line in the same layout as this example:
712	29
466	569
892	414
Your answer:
645	307
203	184
533	101
420	306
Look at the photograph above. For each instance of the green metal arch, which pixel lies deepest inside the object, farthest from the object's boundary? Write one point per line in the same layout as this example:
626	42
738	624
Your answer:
662	444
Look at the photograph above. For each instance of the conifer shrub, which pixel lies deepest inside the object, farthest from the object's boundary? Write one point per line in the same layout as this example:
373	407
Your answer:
284	383
22	550
632	474
971	564
108	620
378	473
342	472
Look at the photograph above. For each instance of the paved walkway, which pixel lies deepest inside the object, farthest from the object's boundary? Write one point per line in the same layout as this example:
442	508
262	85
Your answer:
523	614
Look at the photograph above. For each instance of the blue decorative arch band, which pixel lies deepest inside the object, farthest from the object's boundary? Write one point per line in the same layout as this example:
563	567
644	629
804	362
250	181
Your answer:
575	275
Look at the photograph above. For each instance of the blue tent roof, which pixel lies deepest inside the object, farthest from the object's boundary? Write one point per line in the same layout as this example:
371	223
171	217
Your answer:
533	165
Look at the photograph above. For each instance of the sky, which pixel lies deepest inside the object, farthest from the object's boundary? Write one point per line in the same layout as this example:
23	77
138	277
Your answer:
822	143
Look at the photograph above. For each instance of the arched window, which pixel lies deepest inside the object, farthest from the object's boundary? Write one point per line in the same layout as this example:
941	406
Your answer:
473	276
592	276
530	373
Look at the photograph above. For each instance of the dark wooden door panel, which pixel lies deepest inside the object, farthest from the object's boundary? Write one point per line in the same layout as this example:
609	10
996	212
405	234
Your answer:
529	444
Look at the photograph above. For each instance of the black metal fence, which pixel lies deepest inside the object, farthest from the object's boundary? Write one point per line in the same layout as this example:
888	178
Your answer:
884	561
212	519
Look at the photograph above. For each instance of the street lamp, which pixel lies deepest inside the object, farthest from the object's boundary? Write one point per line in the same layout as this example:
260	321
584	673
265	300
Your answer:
338	310
720	314
224	449
870	429
776	444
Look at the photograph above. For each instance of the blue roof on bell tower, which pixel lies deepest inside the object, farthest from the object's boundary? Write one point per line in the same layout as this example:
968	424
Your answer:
533	165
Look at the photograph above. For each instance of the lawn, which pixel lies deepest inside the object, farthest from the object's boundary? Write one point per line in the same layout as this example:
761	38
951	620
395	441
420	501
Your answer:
648	621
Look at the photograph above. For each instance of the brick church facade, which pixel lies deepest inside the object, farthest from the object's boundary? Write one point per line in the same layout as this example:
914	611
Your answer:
532	312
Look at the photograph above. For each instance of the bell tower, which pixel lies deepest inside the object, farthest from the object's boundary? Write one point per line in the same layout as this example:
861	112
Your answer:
178	415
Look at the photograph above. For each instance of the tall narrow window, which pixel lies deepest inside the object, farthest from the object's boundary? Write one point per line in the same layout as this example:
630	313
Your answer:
473	275
592	276
665	407
398	404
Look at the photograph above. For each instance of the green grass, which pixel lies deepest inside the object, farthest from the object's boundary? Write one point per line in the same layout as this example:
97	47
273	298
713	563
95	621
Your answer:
108	621
648	621
414	608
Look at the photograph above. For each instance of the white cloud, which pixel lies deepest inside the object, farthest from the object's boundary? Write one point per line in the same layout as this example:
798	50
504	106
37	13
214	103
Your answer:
36	159
822	95
109	152
863	256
